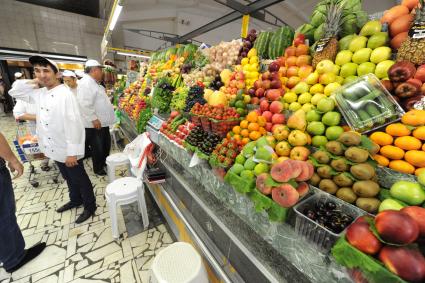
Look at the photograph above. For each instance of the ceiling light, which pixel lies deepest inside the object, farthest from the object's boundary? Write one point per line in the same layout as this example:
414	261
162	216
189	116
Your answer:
133	54
115	16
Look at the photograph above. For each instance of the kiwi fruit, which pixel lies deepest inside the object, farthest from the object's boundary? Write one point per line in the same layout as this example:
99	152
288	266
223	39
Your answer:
370	205
374	149
325	171
328	186
315	179
363	171
356	154
340	165
342	180
322	157
349	139
334	147
346	194
366	189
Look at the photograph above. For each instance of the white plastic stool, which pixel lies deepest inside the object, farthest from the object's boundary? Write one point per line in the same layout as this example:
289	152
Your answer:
178	263
113	161
124	191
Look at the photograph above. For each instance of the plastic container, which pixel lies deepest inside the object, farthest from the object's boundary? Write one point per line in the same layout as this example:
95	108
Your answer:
222	127
366	104
195	119
313	231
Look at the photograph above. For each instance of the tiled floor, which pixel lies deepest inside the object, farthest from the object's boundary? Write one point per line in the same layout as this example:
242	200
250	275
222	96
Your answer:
85	252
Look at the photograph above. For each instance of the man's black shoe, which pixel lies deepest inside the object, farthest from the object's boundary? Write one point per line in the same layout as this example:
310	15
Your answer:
100	173
67	206
84	216
30	254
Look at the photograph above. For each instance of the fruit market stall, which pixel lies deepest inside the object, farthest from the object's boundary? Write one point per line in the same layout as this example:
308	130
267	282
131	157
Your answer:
277	145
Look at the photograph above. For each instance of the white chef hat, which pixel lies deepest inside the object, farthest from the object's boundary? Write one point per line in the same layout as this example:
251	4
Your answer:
18	75
79	73
68	73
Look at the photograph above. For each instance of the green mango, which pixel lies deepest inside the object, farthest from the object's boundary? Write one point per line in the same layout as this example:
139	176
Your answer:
408	192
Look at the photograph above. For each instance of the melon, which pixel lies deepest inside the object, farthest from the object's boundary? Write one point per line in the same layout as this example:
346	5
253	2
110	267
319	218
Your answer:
217	98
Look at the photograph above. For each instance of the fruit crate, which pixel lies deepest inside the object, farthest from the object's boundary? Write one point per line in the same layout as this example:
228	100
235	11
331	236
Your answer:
206	123
322	237
222	127
195	119
366	105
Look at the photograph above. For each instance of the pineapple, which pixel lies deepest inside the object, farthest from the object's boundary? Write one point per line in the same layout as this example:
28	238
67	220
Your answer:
413	49
331	29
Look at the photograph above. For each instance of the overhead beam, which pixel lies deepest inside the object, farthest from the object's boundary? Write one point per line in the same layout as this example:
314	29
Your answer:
170	37
244	10
253	7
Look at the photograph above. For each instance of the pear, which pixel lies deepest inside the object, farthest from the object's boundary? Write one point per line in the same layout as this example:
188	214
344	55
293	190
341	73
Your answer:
344	42
357	43
297	120
377	40
371	28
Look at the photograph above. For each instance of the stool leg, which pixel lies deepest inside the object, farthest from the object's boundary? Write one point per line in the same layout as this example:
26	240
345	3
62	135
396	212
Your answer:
142	207
129	174
114	139
111	172
114	218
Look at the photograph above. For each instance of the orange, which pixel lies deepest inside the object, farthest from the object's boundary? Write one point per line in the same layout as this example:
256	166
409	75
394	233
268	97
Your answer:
244	124
414	118
423	147
402	166
245	141
254	135
252	117
236	129
253	127
262	131
408	143
415	157
229	135
419	171
245	133
419	133
397	130
237	137
392	152
381	138
261	121
382	160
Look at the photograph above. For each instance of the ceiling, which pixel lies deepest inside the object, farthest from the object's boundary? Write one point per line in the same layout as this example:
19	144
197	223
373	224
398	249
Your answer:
82	7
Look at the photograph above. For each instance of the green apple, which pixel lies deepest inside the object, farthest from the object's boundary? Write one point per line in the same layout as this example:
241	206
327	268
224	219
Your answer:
339	80
327	78
312	78
380	54
325	105
349	79
381	70
357	43
301	87
336	70
237	168
240	159
319	141
390	204
313	115
316	128
377	40
324	66
304	98
317	88
361	55
308	107
294	106
366	68
421	178
371	28
333	133
250	164
331	118
247	175
290	97
261	168
348	69
316	98
409	192
343	57
330	88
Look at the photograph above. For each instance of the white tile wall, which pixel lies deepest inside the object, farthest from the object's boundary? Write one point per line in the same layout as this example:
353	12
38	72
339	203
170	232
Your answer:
33	27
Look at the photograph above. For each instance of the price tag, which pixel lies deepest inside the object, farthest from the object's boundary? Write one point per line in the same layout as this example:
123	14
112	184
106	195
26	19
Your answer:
321	44
417	31
245	24
31	148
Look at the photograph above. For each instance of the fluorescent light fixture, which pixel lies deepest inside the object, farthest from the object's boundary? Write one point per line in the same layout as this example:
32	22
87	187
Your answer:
115	16
133	54
51	56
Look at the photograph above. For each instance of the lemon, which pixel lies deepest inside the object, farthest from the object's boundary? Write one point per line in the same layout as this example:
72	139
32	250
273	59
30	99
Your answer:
330	88
317	88
252	53
244	61
253	60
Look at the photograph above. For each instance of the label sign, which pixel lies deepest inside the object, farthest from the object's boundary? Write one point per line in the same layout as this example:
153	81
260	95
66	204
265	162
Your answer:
417	31
245	24
31	148
321	44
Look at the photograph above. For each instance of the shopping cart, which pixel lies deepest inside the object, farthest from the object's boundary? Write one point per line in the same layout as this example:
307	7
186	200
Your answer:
26	145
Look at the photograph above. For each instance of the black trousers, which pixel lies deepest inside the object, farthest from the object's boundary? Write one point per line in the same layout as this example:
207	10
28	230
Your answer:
79	185
98	146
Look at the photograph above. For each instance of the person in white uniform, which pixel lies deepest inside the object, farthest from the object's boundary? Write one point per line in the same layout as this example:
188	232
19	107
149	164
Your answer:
70	80
60	130
98	114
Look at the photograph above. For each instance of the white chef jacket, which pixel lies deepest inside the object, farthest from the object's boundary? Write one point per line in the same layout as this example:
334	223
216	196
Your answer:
73	90
60	129
22	107
94	103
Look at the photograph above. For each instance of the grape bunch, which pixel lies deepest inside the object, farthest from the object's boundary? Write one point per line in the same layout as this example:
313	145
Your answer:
178	102
195	94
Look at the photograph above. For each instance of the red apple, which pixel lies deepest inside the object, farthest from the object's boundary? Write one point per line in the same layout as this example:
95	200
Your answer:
265	75
268	115
276	107
396	227
293	81
274	66
274	76
407	263
264	105
278	118
276	84
255	100
420	73
269	126
259	92
273	94
359	236
292	71
258	84
291	61
418	214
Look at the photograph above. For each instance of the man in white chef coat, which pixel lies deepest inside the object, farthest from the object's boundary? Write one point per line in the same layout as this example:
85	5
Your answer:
98	115
70	80
60	130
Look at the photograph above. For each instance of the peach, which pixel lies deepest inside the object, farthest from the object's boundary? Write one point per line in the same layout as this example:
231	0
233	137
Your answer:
290	51
303	189
262	184
264	105
282	171
291	61
285	195
278	118
266	84
307	171
303	60
292	71
304	71
396	227
292	82
359	236
273	94
276	107
268	115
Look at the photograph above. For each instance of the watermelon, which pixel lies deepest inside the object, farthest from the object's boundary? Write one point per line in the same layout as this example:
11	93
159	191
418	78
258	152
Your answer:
281	39
262	43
